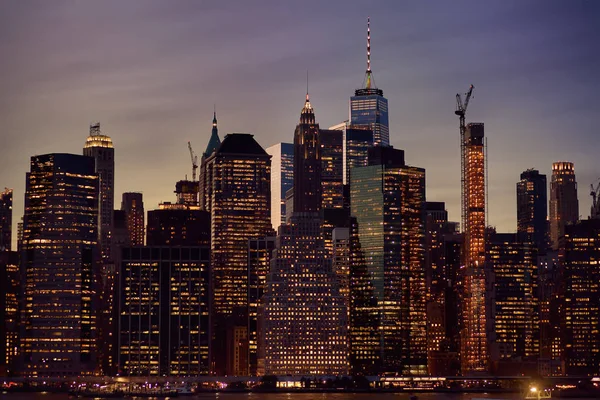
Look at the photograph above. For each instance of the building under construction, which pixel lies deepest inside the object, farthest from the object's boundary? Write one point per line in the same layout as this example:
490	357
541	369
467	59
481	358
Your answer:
474	350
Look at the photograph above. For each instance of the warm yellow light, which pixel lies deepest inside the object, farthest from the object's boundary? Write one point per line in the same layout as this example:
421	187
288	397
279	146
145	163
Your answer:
533	389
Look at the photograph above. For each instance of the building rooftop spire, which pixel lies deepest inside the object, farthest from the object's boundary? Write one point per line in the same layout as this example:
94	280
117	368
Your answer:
214	141
369	80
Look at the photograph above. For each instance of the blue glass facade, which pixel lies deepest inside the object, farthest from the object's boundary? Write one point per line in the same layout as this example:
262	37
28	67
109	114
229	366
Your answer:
369	108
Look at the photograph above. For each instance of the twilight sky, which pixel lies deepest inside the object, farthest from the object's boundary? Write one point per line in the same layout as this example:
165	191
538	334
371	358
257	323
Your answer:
150	72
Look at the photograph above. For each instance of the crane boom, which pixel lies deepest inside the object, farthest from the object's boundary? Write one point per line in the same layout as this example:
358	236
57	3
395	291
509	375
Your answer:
194	158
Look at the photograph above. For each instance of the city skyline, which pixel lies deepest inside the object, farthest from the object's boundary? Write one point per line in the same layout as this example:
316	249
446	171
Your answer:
534	85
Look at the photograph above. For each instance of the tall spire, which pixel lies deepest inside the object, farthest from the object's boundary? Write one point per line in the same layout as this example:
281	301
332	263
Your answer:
369	81
368	45
214	141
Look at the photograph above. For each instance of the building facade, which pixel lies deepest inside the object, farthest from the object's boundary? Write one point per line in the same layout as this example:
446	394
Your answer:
356	140
515	318
282	179
332	173
579	295
163	326
133	205
178	225
10	296
100	148
474	341
260	253
59	258
6	202
303	328
532	208
564	206
240	209
388	201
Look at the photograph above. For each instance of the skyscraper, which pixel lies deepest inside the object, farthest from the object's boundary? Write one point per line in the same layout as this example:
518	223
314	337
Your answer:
474	345
307	162
564	206
388	201
239	205
164	311
579	294
368	107
260	253
59	256
133	205
332	172
6	200
10	287
282	179
514	315
100	147
356	140
303	315
532	208
203	183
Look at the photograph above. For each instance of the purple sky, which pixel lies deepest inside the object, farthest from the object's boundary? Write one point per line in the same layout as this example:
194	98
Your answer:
150	72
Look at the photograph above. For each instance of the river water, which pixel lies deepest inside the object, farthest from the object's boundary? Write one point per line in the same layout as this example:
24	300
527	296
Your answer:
297	396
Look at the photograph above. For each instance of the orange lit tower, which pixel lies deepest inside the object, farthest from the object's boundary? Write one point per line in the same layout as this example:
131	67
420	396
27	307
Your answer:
474	353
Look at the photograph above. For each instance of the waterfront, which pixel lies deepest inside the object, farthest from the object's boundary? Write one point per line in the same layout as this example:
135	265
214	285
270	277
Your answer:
297	396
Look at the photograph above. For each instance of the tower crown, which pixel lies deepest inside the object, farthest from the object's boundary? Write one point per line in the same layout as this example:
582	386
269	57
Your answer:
97	139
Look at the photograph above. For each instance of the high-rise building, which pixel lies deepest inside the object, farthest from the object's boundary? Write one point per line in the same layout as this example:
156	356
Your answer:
364	338
388	201
303	315
240	209
203	183
303	329
579	293
439	278
307	162
532	208
282	179
178	225
368	107
356	140
564	206
549	300
10	287
514	309
100	147
260	253
59	258
474	344
133	205
164	311
6	201
332	172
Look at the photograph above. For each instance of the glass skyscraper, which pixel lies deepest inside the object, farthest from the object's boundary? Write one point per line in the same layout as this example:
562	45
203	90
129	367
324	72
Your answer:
564	206
532	208
388	201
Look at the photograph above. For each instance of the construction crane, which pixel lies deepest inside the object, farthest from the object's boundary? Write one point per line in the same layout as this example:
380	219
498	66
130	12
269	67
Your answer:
461	111
194	162
595	212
